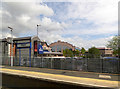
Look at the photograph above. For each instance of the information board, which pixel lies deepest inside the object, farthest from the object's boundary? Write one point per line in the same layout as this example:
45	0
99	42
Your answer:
24	45
40	49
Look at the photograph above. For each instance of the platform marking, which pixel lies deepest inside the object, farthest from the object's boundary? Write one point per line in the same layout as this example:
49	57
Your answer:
105	76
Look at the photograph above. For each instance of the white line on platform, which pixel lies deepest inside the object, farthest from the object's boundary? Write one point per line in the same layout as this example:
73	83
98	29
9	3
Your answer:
105	76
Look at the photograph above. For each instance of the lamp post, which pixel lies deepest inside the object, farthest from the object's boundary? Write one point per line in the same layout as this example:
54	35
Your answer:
37	36
11	29
37	28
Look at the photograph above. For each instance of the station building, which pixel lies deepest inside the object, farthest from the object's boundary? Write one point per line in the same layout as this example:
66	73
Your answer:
106	52
25	48
59	46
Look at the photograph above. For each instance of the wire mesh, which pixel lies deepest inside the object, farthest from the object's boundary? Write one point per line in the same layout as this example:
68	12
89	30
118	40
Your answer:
80	64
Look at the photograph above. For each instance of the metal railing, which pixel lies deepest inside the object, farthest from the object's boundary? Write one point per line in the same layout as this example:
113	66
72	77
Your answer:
80	64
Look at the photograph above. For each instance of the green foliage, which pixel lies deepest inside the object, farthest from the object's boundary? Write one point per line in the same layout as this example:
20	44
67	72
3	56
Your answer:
114	44
115	52
93	53
67	53
83	50
76	53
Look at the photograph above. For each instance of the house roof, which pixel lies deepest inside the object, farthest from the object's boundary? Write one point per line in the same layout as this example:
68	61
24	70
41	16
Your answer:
42	43
103	48
59	41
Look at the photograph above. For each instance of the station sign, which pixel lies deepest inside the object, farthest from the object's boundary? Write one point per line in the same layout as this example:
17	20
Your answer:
24	45
40	49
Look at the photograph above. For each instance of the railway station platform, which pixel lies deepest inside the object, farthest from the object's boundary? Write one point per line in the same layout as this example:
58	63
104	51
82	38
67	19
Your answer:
66	77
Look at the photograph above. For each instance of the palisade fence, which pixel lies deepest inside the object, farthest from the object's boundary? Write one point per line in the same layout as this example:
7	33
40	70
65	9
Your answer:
75	64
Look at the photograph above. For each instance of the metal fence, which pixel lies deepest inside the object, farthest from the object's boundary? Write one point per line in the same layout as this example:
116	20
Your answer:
84	64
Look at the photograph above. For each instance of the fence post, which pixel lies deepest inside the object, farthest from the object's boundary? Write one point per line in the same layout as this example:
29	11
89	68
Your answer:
51	63
19	57
41	62
87	64
61	64
33	61
102	65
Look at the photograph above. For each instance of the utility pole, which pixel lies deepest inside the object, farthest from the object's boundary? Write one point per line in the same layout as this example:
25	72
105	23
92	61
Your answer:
37	28
11	29
37	36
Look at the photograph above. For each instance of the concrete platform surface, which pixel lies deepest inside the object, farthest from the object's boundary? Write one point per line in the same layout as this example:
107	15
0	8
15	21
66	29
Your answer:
78	78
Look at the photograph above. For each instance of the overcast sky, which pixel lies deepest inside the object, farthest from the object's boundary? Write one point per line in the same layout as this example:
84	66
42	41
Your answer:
84	24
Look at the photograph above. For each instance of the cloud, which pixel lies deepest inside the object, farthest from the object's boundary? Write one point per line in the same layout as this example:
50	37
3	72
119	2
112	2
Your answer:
99	16
75	40
23	17
102	30
80	42
52	25
30	8
99	12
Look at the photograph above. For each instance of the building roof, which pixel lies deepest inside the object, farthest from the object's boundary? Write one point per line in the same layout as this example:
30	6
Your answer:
59	41
3	40
52	53
19	38
42	43
78	48
22	38
103	48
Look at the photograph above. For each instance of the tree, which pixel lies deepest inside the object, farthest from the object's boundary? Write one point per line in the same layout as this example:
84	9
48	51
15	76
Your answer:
76	53
94	52
83	50
67	53
114	44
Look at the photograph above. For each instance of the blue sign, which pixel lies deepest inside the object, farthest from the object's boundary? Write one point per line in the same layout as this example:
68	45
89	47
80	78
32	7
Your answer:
40	49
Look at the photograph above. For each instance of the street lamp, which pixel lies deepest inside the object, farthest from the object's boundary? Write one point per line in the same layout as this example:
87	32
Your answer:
11	29
37	28
37	36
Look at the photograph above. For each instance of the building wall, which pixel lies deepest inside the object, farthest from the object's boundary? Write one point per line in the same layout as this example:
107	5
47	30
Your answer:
32	43
13	50
25	52
106	52
22	53
4	49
